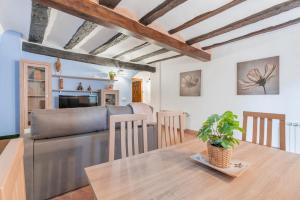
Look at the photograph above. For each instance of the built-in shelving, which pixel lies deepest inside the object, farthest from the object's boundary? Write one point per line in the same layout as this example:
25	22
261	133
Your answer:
84	91
35	90
82	77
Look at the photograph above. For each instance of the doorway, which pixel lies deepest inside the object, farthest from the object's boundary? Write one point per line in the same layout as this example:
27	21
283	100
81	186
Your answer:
137	90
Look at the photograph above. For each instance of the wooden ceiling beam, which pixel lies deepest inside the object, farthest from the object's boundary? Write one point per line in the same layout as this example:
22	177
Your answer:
85	58
87	27
119	37
116	39
109	3
270	12
84	30
164	59
136	48
39	21
154	14
101	15
255	33
149	55
160	10
206	16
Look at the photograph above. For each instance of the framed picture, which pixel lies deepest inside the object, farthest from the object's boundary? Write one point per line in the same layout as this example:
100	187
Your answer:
190	83
258	77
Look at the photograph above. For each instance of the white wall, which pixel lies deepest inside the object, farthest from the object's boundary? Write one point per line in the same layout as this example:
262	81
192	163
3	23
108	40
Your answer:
219	79
151	88
1	29
156	89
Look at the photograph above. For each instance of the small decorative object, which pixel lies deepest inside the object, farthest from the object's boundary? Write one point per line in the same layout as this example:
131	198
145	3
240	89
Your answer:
61	84
218	132
58	65
190	83
80	87
42	104
31	73
37	75
110	86
112	75
89	88
30	90
258	77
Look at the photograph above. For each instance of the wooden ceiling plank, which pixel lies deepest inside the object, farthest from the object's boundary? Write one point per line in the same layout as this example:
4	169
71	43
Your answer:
149	55
86	58
39	21
160	10
119	37
255	33
87	27
136	48
270	12
163	59
205	16
101	15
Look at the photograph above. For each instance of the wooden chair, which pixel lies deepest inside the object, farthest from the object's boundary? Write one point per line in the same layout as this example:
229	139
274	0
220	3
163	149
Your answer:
131	120
12	180
170	128
269	117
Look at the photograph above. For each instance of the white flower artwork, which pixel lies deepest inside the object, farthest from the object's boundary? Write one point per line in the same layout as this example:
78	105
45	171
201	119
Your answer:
258	77
190	83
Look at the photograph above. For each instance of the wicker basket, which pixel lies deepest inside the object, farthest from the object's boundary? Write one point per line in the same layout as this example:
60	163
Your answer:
219	157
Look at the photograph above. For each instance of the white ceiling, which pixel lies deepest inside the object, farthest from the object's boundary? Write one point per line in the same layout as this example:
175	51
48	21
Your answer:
62	26
15	15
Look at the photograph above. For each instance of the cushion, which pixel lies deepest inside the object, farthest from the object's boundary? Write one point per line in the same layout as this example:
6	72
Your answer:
118	110
142	108
69	121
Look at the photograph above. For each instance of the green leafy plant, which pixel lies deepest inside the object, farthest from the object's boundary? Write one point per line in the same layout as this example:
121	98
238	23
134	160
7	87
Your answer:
218	130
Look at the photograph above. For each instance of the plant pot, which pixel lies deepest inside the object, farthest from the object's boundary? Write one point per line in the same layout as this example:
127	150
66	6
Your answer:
219	157
112	77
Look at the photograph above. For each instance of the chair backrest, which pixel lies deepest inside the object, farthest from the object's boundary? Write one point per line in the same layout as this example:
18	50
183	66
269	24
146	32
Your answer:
127	122
12	180
269	117
170	128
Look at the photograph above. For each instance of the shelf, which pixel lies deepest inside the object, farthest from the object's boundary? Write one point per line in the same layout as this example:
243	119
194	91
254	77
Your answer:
36	68
61	91
82	77
33	80
30	111
37	96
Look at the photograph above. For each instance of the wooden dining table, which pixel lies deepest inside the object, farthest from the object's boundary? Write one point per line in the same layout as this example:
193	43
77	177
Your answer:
170	174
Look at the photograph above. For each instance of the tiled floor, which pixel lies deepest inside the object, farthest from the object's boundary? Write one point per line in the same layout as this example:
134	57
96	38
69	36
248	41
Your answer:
86	193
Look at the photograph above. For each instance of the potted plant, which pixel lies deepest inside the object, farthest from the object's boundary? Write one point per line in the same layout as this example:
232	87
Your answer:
112	75
218	132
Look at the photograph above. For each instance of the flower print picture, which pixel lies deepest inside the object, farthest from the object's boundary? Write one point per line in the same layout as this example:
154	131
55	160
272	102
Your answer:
258	77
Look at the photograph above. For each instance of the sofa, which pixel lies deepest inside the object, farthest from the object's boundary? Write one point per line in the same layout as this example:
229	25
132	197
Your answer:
63	142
